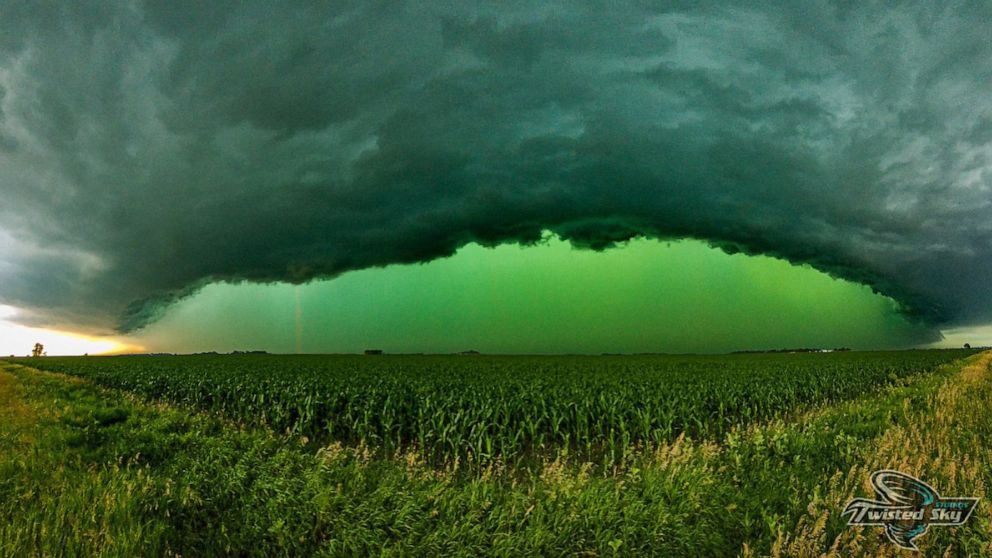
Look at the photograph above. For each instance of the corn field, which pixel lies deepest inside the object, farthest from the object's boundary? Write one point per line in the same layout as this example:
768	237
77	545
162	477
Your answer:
509	409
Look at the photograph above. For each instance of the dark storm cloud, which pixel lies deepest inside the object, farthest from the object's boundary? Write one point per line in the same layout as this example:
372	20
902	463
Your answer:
147	149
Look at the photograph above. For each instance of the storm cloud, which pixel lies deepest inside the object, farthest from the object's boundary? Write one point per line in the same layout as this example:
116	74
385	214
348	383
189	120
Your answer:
148	149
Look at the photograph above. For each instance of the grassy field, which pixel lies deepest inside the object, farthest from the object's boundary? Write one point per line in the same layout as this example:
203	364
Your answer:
740	455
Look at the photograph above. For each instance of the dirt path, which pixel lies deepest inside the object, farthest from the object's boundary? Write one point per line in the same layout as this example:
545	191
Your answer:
16	417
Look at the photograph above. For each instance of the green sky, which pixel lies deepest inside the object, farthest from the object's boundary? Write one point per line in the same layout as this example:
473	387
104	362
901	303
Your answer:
646	296
268	148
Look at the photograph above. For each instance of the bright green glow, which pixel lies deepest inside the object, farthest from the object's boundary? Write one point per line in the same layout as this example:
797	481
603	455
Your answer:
647	296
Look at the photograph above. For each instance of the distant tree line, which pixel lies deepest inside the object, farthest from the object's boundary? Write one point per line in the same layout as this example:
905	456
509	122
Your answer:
800	350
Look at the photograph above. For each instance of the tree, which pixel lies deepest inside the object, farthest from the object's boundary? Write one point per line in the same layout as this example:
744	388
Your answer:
967	345
38	350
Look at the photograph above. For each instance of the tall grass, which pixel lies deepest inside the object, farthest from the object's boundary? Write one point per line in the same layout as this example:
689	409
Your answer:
87	471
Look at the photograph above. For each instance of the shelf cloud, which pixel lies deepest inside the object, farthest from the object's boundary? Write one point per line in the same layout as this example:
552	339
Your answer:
148	149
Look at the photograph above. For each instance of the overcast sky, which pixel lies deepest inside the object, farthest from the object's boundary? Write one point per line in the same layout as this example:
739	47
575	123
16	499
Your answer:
149	149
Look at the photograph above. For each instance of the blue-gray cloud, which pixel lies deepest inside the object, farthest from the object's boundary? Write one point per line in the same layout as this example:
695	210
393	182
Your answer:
149	148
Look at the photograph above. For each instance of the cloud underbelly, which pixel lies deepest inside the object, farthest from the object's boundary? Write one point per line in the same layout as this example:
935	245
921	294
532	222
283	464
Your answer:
149	151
